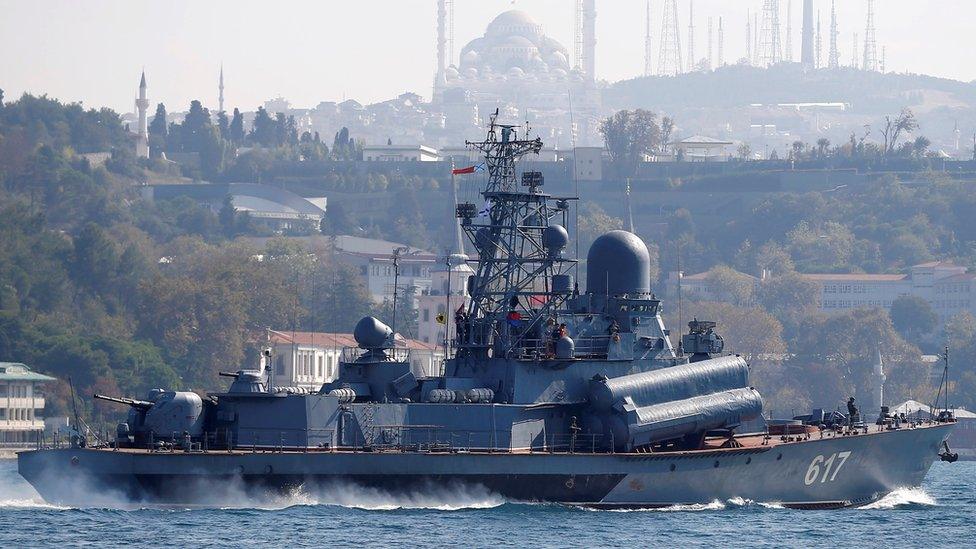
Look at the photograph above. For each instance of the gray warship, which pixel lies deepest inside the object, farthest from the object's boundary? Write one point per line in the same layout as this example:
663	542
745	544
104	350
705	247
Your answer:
549	394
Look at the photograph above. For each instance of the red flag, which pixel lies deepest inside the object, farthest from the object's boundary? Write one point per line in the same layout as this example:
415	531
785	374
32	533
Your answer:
461	171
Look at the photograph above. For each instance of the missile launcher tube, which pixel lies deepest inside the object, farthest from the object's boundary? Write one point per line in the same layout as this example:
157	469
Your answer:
670	384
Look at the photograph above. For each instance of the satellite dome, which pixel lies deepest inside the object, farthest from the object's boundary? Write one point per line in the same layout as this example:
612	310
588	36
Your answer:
618	263
370	333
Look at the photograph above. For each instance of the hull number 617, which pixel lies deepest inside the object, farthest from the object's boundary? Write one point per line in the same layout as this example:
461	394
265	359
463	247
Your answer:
825	469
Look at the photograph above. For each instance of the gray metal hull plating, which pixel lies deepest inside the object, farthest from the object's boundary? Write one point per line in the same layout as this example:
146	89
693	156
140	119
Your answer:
829	472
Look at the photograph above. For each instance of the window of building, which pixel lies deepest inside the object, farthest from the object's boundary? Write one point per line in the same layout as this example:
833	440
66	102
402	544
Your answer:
3	414
280	365
318	366
3	390
426	314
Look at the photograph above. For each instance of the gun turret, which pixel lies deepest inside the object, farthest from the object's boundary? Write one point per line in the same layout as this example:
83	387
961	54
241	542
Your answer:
138	404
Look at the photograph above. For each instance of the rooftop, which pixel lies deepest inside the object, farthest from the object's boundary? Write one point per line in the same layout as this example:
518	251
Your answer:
15	371
856	277
339	340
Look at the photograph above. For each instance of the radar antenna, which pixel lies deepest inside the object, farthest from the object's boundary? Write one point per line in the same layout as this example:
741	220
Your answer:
520	237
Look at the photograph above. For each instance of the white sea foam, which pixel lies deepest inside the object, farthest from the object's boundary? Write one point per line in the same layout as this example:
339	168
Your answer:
439	498
903	497
29	503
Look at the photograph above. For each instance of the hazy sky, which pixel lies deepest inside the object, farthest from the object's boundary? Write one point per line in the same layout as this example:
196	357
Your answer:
370	50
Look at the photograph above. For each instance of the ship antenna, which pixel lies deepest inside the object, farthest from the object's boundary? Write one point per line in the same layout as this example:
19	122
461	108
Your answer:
74	404
572	137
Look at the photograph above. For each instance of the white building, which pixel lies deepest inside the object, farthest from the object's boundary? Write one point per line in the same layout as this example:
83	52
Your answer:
374	259
699	148
21	403
587	161
400	153
448	291
309	359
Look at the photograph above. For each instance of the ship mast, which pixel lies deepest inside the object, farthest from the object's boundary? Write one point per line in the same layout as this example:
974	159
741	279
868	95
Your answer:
517	237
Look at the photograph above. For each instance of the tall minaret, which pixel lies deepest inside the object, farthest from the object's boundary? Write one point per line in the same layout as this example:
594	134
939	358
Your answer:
807	53
220	87
142	105
589	38
439	78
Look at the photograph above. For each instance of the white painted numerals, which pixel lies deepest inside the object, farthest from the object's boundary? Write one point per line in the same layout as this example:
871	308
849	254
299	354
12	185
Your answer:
830	466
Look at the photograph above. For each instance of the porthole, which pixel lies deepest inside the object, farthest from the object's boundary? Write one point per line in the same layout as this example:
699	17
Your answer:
673	467
748	460
74	460
715	465
779	457
268	469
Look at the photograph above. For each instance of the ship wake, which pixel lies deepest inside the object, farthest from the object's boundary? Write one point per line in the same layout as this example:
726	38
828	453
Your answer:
903	498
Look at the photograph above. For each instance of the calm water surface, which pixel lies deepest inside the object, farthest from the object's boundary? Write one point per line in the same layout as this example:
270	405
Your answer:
940	514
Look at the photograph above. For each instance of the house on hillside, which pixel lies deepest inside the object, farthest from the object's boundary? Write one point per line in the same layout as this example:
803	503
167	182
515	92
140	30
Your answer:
21	403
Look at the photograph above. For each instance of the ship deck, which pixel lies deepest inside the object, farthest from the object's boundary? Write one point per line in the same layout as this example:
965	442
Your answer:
747	442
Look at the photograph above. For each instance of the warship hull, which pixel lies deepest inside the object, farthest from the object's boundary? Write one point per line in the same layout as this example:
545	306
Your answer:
828	472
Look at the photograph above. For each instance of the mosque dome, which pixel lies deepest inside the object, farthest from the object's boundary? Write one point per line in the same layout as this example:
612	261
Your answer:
513	22
513	40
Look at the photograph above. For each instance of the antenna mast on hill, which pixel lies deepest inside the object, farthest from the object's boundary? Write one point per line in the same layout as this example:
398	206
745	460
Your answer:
647	40
721	44
788	53
833	60
691	35
770	51
870	42
669	63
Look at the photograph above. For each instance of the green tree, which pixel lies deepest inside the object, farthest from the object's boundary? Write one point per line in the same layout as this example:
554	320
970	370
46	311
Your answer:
237	128
629	136
913	317
263	129
731	286
158	133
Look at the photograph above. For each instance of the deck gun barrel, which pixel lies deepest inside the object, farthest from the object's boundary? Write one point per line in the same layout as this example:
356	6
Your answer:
139	404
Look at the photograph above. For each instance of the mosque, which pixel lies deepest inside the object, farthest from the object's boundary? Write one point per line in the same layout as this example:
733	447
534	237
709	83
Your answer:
530	76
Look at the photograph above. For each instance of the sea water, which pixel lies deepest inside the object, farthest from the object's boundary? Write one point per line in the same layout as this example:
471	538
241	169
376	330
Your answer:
941	513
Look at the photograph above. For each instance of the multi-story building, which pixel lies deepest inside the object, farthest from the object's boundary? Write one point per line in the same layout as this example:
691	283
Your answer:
374	259
21	403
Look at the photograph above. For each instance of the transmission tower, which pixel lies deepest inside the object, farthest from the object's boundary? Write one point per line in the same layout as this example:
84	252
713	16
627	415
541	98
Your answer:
749	37
819	45
710	60
669	61
721	44
833	60
647	41
788	53
770	51
691	35
870	42
854	53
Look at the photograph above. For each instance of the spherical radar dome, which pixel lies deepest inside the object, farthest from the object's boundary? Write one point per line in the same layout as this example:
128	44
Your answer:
618	263
555	238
